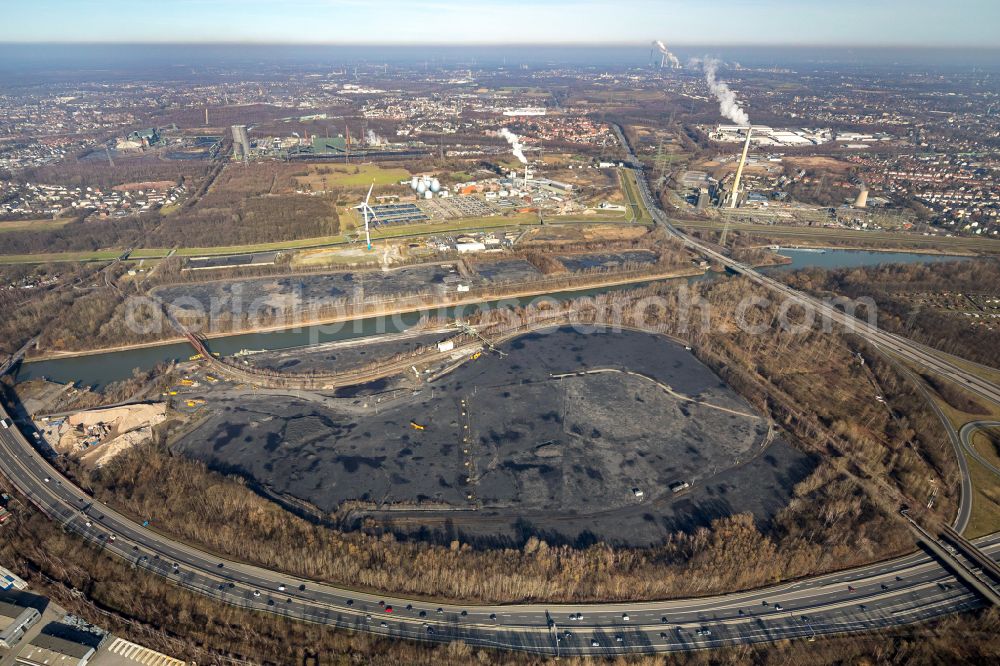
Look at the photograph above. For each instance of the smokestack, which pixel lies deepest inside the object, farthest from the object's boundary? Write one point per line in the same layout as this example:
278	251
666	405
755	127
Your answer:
206	116
666	57
739	170
862	200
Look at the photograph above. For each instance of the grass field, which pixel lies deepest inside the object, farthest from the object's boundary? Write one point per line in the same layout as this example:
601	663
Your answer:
33	225
343	175
986	442
631	191
450	227
985	518
819	235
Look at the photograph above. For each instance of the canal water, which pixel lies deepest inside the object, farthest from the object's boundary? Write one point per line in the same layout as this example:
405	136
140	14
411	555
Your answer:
100	369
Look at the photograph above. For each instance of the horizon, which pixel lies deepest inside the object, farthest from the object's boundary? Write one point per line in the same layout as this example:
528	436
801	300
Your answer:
554	45
856	23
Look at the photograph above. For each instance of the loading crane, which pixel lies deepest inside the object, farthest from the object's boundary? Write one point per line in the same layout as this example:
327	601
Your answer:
470	330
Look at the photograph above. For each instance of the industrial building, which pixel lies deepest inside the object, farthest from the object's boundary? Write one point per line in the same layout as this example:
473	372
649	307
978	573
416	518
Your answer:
15	620
51	650
768	136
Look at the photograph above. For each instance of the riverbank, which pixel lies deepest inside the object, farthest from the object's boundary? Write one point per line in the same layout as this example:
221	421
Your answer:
890	250
381	311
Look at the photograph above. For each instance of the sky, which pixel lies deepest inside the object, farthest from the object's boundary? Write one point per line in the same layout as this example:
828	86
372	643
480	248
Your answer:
967	23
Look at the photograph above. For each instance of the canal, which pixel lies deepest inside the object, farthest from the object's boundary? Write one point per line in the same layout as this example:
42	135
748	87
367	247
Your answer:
100	369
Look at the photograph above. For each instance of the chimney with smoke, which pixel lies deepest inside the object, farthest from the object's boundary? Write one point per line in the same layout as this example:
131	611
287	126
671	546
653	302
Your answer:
728	106
659	48
515	144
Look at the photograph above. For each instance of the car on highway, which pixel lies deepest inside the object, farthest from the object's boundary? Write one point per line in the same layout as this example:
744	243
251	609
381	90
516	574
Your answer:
281	588
594	643
704	632
493	616
383	624
779	607
388	609
625	617
256	593
619	639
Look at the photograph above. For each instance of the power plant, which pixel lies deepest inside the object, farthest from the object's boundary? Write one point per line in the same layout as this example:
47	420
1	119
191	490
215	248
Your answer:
667	59
241	142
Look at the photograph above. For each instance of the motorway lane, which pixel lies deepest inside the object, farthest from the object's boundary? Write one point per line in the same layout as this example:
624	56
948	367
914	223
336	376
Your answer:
739	617
965	437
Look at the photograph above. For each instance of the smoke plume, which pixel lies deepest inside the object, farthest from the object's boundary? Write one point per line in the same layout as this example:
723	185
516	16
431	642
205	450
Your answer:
728	106
661	48
515	144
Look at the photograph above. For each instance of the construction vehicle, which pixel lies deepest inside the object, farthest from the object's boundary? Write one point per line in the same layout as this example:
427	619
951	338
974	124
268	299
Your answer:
417	426
477	355
195	357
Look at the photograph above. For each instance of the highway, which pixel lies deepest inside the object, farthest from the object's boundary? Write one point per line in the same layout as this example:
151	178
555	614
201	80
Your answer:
904	590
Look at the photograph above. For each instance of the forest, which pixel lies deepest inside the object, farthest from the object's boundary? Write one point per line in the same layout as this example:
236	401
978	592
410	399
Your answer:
897	289
150	610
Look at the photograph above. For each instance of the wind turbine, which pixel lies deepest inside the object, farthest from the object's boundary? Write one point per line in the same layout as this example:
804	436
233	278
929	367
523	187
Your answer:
366	210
